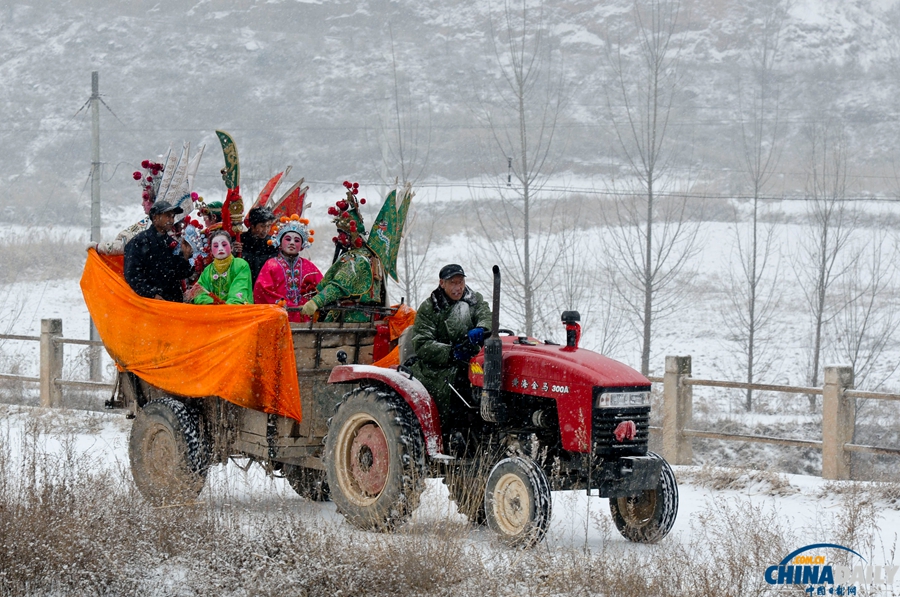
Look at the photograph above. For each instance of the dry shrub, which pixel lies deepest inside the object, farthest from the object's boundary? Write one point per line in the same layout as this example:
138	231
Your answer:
721	478
42	255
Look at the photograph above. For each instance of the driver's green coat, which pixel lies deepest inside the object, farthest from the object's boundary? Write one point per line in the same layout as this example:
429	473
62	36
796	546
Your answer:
440	325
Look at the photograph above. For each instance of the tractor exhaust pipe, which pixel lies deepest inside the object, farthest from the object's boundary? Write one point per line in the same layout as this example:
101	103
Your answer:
492	408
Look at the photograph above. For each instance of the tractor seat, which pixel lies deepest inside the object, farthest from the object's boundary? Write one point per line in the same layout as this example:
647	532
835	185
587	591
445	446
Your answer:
407	350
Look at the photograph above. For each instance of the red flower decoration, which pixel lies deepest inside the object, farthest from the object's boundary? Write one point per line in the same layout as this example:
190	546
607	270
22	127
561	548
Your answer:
358	242
136	176
355	191
352	226
347	184
343	205
362	201
145	164
355	185
332	211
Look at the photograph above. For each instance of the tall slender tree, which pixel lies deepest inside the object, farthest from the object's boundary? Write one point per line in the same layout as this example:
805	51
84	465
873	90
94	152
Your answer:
522	111
820	264
405	147
651	237
754	284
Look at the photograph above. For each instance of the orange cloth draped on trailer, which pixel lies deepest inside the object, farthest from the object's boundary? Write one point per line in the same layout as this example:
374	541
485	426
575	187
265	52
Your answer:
242	353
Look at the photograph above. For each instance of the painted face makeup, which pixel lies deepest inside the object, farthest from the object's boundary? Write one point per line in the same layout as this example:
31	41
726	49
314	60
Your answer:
291	243
220	247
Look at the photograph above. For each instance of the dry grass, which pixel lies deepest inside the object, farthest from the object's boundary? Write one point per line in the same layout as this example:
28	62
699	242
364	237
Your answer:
717	478
42	255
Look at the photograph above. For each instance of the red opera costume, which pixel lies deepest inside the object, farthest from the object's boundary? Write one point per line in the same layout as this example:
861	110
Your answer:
294	283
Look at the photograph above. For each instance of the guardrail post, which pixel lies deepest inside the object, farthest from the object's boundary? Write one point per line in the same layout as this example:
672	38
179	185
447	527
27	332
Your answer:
678	398
51	362
838	422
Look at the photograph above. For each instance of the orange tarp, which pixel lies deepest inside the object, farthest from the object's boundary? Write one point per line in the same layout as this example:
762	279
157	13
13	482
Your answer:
242	353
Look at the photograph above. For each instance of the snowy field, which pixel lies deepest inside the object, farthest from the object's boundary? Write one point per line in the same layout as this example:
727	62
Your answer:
720	509
723	510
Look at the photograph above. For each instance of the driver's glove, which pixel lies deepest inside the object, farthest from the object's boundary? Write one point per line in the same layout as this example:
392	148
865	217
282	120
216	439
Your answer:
476	336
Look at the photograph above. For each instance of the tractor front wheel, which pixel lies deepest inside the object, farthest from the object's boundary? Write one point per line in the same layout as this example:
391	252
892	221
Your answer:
648	516
375	459
517	501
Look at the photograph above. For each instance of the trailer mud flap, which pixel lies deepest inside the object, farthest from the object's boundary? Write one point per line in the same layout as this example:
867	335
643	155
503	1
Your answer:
626	476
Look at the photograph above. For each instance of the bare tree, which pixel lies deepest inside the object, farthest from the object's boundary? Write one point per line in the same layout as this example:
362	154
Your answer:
830	224
582	284
516	229
651	239
753	297
866	317
405	145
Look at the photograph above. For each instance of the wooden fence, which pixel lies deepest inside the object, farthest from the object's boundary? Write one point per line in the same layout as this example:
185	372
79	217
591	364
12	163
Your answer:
838	416
51	363
838	399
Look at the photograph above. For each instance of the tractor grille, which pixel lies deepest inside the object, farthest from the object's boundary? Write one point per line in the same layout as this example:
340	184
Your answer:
604	422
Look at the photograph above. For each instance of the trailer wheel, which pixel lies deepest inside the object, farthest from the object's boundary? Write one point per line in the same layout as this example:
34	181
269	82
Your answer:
650	515
375	459
468	493
517	501
309	483
169	458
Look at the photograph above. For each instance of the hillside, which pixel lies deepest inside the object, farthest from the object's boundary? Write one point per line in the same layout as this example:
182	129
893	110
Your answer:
311	83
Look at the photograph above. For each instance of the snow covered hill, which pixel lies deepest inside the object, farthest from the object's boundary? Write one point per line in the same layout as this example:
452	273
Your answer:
310	83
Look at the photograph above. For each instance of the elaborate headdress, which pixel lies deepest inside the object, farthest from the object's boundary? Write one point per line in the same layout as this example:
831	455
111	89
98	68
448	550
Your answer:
149	180
292	224
213	208
172	179
347	219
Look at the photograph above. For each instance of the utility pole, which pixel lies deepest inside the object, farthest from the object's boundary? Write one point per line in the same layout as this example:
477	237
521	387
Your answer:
94	351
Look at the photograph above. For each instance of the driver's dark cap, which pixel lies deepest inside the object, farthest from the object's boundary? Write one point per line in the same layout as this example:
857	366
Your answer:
453	269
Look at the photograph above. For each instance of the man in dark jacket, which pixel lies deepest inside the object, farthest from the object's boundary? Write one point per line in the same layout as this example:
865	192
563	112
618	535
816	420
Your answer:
254	247
152	268
449	331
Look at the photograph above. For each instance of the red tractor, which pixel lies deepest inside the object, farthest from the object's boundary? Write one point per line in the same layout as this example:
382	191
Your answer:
536	417
542	417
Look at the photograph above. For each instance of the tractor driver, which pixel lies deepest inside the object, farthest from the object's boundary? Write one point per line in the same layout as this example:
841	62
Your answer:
449	330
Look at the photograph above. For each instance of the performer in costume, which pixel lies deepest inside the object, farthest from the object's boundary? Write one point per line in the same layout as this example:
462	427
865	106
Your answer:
211	213
227	279
357	275
288	277
150	184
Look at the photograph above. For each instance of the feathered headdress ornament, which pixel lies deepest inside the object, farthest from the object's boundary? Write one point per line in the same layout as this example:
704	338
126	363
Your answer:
347	219
171	180
292	224
149	179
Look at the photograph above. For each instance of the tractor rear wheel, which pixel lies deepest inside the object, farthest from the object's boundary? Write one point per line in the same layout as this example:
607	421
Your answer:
169	458
309	483
517	501
650	515
375	459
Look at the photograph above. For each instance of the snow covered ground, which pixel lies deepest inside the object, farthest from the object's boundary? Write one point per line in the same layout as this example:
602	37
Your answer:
801	510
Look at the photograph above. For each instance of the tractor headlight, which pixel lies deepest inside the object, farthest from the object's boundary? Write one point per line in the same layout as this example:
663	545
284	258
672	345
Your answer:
619	399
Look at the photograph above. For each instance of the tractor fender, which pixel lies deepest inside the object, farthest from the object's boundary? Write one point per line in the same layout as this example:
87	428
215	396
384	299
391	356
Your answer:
412	391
